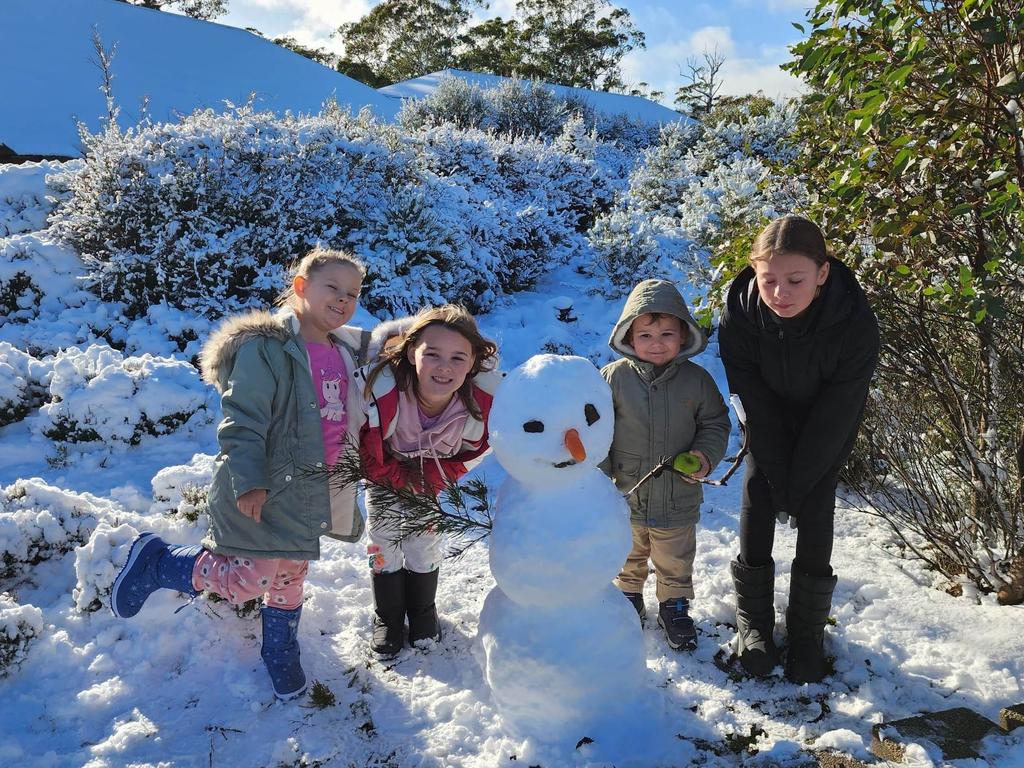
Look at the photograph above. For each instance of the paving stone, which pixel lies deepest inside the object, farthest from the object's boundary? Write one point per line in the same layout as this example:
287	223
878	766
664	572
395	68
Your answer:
837	760
957	732
1011	717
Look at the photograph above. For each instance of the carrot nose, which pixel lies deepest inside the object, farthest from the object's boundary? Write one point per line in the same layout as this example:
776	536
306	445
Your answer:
575	445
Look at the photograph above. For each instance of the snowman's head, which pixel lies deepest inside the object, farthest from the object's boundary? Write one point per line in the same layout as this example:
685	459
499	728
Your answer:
551	419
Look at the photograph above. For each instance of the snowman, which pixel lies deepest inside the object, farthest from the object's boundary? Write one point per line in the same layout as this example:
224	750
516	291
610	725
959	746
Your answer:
561	649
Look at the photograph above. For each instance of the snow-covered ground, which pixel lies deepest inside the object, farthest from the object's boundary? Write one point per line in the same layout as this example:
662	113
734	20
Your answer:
188	688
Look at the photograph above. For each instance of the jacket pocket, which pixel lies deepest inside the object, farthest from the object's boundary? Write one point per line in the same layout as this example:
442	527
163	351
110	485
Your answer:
626	468
686	498
281	478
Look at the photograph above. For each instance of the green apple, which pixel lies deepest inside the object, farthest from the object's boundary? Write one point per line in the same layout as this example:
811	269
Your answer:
686	463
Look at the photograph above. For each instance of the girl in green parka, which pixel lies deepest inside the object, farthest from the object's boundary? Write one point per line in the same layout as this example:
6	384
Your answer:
289	403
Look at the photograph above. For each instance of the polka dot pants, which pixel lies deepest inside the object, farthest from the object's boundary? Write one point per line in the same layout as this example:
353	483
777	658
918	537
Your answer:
238	579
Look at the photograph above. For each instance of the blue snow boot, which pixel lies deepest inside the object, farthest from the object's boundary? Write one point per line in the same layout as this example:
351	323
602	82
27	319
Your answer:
674	618
281	651
152	564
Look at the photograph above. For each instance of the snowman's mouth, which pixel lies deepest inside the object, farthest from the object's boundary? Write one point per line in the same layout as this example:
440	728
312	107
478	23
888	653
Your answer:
564	464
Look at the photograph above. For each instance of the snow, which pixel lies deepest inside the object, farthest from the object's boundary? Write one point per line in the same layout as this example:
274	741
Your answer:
633	107
180	688
173	64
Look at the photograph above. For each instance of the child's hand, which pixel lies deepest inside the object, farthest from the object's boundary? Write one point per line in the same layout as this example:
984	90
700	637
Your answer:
251	503
691	464
705	465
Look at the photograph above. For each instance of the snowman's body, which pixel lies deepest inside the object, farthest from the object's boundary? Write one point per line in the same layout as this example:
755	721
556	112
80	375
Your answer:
562	650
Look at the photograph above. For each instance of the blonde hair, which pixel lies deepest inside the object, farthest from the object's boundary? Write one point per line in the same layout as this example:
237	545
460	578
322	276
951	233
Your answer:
790	234
313	262
448	316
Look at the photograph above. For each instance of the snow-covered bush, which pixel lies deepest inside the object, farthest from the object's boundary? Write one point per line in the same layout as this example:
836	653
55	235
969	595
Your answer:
528	200
25	200
181	491
39	522
97	563
688	200
19	626
205	214
628	247
98	395
23	381
37	276
521	108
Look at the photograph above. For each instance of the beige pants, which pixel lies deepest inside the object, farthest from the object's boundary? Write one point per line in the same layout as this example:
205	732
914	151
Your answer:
671	550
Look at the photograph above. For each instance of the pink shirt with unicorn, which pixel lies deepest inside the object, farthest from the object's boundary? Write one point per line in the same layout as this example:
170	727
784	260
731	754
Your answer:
330	380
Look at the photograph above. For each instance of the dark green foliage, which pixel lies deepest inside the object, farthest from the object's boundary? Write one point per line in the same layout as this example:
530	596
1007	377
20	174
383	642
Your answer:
915	153
401	39
569	42
321	696
197	9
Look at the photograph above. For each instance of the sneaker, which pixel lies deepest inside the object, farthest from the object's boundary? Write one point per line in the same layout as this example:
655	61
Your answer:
637	599
674	618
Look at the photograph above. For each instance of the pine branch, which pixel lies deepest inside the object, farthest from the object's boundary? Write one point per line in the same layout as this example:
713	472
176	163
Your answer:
462	511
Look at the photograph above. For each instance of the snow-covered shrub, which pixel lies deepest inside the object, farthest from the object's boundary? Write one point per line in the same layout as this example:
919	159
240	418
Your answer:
39	522
628	247
689	200
522	108
98	395
455	102
527	200
19	626
165	331
23	381
181	491
37	276
97	563
25	200
204	215
526	109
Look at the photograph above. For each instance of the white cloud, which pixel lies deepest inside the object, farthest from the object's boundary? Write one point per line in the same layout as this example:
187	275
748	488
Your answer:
311	22
743	72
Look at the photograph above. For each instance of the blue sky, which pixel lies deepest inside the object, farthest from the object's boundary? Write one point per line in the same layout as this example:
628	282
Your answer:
752	34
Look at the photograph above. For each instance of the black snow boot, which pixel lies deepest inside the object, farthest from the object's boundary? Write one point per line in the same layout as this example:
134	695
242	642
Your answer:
674	618
389	613
755	617
420	591
810	599
637	600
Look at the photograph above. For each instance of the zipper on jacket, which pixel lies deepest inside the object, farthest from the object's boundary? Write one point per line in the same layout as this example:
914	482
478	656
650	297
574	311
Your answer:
784	350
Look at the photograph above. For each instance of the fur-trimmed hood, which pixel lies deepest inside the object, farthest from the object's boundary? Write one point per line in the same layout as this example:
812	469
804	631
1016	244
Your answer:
218	355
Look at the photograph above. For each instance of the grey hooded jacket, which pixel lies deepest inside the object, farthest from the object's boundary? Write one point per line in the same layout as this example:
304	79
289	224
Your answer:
659	413
271	438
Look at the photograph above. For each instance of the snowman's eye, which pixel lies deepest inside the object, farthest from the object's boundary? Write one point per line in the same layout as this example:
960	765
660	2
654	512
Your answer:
591	413
533	426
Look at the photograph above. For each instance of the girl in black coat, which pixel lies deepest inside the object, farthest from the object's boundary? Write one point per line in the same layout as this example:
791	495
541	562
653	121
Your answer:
799	343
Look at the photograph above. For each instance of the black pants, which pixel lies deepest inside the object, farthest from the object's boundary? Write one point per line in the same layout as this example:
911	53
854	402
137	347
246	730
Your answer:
815	520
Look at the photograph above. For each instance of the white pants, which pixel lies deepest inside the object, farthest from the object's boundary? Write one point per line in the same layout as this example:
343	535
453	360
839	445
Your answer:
420	553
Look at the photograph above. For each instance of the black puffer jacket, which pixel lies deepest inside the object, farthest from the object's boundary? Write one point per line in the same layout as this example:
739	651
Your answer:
802	381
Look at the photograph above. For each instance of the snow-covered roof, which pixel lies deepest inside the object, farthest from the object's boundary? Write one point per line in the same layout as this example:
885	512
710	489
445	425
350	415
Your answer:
635	107
177	63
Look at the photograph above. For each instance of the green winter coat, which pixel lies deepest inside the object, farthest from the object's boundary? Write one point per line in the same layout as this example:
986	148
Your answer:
271	438
661	413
